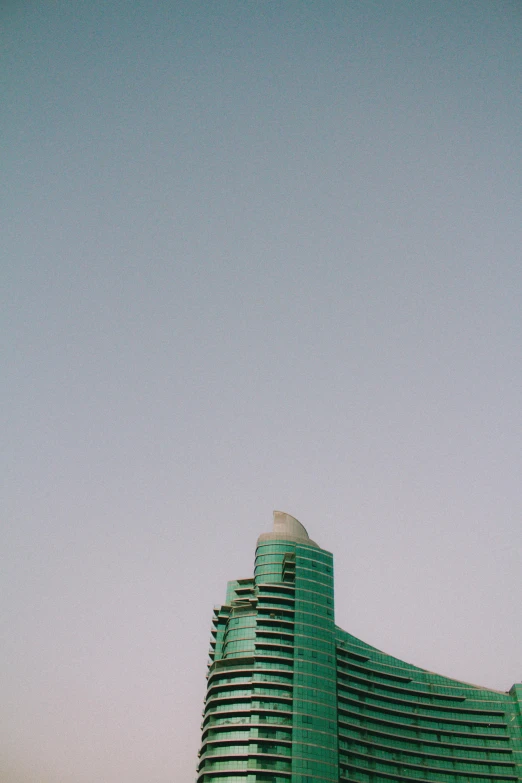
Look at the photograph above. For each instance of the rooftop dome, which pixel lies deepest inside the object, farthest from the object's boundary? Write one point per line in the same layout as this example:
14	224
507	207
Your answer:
287	527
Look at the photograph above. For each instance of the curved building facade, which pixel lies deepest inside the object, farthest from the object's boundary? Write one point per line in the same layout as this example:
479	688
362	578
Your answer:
292	698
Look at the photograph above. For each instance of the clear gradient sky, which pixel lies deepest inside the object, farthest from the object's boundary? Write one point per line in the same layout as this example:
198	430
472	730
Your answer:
255	255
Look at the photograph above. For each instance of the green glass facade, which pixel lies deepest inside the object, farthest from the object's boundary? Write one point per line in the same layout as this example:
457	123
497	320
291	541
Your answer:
292	698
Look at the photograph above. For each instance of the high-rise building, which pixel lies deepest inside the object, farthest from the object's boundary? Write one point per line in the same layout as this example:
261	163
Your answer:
292	698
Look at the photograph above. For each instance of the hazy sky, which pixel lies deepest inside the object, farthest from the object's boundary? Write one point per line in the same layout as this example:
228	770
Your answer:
256	255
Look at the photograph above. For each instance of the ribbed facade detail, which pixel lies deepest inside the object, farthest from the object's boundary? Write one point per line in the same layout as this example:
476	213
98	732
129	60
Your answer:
292	698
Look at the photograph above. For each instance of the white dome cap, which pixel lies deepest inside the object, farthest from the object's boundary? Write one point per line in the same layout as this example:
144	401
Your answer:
287	526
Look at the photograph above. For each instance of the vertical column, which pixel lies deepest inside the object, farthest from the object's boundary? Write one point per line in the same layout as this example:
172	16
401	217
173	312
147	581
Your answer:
314	739
516	730
271	743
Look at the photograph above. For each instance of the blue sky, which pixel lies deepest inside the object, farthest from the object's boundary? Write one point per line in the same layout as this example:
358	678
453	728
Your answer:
256	255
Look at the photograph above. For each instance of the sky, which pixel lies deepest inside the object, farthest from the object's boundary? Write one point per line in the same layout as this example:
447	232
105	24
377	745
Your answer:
255	255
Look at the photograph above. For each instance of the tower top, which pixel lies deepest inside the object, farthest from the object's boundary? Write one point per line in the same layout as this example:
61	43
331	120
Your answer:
287	527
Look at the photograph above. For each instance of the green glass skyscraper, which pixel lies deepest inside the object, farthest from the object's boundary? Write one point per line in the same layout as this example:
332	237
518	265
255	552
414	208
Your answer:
292	698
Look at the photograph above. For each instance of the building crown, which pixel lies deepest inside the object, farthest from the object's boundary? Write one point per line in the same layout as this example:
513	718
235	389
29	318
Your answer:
289	528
